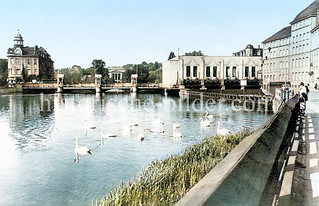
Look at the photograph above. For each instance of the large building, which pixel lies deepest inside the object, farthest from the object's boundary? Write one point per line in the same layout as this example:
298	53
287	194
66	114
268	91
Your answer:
181	69
26	61
291	55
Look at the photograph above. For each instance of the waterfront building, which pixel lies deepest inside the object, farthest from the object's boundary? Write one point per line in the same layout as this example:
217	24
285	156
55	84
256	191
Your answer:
27	61
179	69
292	53
116	73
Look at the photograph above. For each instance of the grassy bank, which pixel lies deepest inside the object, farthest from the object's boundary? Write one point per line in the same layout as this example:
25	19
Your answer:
165	181
17	89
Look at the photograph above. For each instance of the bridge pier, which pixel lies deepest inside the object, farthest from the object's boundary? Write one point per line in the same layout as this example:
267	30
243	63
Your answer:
98	81
60	83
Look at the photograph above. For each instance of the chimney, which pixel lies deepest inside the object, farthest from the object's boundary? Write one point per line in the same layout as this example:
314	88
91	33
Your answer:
258	46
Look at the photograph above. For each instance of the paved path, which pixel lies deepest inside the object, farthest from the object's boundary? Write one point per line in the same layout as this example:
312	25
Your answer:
310	132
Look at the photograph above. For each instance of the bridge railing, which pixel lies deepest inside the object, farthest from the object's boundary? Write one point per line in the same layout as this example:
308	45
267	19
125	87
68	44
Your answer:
39	85
79	85
118	85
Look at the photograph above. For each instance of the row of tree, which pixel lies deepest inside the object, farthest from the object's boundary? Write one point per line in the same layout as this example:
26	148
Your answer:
147	72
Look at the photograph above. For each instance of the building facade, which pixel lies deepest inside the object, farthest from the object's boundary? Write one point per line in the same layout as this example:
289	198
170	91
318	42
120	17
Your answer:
116	73
181	68
291	54
26	61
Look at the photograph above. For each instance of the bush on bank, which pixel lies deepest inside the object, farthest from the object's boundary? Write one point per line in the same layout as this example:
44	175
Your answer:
165	181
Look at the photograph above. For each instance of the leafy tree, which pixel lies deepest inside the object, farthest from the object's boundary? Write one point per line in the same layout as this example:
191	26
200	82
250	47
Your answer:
194	53
99	67
3	71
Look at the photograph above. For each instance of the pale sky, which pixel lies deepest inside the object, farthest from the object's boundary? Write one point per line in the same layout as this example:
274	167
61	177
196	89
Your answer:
124	31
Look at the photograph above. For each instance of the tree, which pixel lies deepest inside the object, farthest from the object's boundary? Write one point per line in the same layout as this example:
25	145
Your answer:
194	53
3	71
99	67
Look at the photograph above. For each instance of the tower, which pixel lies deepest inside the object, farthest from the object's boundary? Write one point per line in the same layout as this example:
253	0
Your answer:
18	40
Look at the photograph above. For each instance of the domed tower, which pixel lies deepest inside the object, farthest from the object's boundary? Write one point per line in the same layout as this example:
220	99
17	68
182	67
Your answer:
18	40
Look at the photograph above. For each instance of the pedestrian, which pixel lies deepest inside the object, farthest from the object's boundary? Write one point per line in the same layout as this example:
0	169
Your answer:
316	86
303	97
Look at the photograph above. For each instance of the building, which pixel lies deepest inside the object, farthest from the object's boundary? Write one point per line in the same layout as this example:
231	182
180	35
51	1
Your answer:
181	69
26	61
292	53
249	51
276	58
116	73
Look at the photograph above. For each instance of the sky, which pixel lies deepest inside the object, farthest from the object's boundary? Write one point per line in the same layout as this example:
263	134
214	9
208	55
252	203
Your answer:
75	32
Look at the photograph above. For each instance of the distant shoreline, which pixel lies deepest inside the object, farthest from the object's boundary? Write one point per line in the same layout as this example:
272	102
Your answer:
13	90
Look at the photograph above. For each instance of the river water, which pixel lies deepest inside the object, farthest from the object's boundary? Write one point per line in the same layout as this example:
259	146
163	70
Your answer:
37	141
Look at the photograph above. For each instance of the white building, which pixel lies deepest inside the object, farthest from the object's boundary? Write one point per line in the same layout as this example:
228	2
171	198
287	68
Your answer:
292	53
116	73
276	57
181	68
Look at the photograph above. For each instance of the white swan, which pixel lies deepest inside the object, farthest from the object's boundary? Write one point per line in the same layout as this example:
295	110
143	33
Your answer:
209	116
222	131
157	122
160	129
176	125
176	133
204	123
81	150
127	130
141	135
106	135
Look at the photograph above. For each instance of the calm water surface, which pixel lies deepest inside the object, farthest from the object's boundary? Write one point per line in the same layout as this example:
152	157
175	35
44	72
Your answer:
37	143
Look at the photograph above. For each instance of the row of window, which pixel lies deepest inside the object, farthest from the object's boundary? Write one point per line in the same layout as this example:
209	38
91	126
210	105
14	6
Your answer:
300	76
301	62
18	71
300	37
301	24
208	71
300	48
26	61
282	77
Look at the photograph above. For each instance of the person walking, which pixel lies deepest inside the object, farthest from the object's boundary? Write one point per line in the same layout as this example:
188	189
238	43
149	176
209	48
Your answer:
303	98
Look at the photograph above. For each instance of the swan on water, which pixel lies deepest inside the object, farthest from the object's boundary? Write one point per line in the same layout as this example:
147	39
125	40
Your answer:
222	131
106	135
209	116
159	129
127	130
81	150
175	132
204	122
176	125
141	135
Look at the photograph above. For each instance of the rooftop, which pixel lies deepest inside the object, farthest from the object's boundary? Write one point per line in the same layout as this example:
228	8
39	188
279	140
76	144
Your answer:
284	33
310	11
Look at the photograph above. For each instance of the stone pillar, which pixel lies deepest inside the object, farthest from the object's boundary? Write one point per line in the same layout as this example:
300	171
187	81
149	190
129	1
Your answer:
134	83
98	81
60	79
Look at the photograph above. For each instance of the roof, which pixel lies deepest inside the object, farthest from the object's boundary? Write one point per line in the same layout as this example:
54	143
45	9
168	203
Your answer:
284	33
310	11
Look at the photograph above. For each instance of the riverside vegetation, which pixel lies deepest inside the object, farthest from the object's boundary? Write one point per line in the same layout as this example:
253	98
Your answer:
165	181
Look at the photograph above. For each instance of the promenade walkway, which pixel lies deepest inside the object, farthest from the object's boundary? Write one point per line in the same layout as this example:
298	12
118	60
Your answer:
310	135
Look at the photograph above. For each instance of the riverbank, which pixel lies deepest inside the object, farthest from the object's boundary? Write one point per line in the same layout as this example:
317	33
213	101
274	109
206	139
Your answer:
165	181
12	90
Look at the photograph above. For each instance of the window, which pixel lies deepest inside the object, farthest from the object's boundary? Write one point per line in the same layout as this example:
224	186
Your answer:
17	61
214	71
28	61
227	71
234	72
194	71
188	71
246	71
208	71
253	71
35	61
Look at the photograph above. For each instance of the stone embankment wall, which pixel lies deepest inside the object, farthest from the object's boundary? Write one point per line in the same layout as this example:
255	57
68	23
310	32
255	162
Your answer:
244	175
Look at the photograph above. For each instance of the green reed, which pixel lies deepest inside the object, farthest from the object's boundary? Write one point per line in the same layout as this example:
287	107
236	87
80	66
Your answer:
164	182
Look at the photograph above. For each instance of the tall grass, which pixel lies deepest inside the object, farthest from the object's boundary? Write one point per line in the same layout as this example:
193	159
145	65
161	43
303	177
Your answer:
165	181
